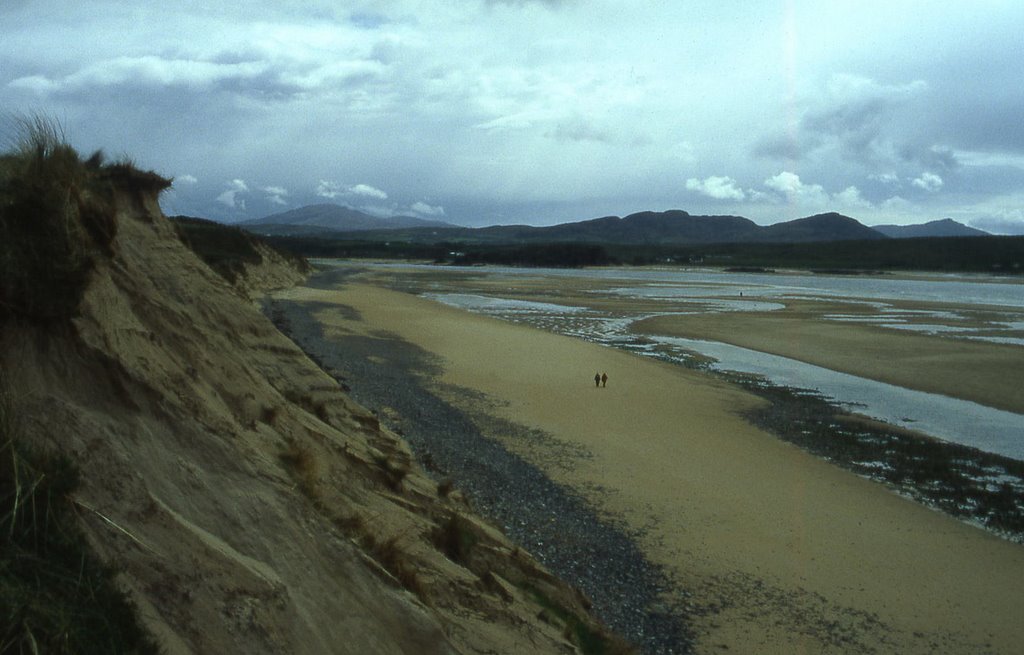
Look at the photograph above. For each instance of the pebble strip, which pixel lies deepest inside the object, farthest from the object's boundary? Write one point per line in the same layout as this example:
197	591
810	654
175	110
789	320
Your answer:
629	593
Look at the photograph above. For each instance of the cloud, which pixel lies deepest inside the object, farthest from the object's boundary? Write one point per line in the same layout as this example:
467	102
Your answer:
148	70
850	197
578	129
888	179
930	182
796	192
231	197
295	92
897	205
186	179
855	118
421	208
367	191
328	189
331	189
276	194
718	187
522	3
1005	222
856	110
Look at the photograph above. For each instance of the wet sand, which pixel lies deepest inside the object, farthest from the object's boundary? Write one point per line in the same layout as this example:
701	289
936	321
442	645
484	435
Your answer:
782	552
987	373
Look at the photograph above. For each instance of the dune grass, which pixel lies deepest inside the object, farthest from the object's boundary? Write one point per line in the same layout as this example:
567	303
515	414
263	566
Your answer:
55	594
57	218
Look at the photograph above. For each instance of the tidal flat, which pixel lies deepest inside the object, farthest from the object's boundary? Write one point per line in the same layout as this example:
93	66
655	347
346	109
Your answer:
767	547
911	381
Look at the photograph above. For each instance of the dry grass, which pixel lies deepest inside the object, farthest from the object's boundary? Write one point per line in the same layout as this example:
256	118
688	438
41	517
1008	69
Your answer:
57	219
302	466
397	562
455	538
445	487
394	472
55	595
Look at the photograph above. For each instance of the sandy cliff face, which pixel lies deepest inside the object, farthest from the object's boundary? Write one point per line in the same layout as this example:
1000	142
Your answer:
251	505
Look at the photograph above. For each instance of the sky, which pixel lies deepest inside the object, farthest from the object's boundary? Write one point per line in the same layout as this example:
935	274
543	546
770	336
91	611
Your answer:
482	112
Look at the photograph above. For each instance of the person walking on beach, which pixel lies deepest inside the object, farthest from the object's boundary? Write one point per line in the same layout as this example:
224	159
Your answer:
597	379
604	379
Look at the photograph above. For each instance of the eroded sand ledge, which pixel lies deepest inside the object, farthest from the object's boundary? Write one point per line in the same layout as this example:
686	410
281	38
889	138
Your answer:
785	553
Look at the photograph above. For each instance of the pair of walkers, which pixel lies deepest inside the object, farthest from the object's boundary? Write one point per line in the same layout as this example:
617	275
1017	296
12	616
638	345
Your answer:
600	379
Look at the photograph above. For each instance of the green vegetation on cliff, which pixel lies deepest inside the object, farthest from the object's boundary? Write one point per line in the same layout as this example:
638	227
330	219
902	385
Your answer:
57	222
55	594
56	219
225	248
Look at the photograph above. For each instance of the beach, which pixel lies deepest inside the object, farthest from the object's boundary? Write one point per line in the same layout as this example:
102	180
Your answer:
986	373
768	549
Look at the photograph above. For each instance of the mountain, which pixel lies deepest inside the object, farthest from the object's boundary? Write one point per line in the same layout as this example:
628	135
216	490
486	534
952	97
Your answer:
673	227
946	227
820	227
305	220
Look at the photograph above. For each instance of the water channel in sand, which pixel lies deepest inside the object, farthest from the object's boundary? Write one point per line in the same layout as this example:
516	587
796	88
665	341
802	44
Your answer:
949	307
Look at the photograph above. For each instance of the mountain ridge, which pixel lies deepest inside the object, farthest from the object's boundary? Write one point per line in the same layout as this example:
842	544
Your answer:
671	227
945	227
335	217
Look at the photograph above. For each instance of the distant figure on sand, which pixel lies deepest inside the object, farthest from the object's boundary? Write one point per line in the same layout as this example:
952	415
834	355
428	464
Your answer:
597	379
604	379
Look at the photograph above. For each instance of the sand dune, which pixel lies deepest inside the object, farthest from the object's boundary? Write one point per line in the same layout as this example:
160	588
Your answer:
783	552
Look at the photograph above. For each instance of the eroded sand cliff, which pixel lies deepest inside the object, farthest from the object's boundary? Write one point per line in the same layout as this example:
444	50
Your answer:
249	504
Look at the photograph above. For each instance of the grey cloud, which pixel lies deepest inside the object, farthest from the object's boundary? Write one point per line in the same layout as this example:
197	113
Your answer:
276	195
244	77
786	146
929	156
1013	225
858	115
983	122
369	20
389	91
929	182
578	129
232	197
147	70
858	119
520	3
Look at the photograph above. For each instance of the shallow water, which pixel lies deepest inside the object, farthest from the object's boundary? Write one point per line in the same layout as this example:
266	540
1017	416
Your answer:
951	419
974	307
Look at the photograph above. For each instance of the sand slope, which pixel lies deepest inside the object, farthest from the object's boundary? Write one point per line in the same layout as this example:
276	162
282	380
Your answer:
785	553
250	505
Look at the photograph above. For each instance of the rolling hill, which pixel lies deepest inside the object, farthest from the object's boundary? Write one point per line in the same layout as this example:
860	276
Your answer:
946	227
673	227
331	217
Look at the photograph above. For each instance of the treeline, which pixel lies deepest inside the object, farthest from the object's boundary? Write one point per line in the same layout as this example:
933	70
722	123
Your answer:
948	254
226	249
548	255
945	254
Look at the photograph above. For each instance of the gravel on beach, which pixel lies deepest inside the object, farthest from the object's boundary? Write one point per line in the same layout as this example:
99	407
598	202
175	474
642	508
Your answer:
629	593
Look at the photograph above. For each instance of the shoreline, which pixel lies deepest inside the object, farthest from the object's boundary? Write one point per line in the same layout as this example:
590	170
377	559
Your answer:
953	478
780	550
549	520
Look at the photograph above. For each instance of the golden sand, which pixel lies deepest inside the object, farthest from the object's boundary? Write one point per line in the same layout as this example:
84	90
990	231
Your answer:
782	552
988	373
